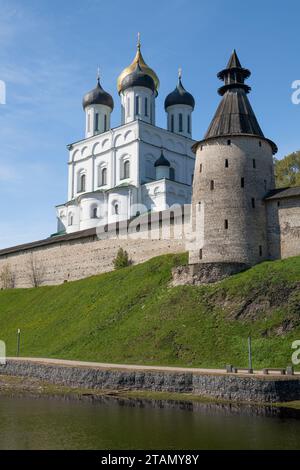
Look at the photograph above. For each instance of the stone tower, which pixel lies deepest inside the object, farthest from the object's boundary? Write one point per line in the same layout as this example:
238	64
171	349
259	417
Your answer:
233	174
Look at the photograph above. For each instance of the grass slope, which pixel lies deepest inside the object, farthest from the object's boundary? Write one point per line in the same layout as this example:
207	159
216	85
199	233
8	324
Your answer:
133	316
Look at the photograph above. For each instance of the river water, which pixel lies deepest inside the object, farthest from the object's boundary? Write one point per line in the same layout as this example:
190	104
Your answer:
110	423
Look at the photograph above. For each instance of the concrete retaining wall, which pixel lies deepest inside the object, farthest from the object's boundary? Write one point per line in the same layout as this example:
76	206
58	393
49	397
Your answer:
218	386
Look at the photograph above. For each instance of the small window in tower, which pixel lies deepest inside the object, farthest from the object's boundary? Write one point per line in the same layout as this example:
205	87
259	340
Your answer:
260	144
260	250
242	182
278	203
70	219
200	168
226	163
226	224
189	124
212	185
172	122
116	209
200	253
105	122
228	142
254	163
137	105
146	106
180	122
172	174
253	203
97	122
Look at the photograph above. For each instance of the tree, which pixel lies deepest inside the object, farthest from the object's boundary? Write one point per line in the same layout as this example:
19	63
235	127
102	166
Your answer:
287	170
36	271
122	259
7	277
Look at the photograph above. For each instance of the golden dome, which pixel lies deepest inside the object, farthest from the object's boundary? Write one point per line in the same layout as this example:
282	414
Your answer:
138	59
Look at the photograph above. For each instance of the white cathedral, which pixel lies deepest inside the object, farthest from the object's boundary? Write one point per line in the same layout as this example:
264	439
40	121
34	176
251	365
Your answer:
117	174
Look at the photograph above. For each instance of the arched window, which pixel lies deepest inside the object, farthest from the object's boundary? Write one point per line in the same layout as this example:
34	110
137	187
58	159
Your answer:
172	174
97	122
180	123
103	177
146	106
189	124
137	105
94	213
172	122
70	219
105	122
126	169
128	106
116	208
82	182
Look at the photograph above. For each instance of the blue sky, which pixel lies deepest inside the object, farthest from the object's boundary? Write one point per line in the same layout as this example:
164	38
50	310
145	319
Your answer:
49	54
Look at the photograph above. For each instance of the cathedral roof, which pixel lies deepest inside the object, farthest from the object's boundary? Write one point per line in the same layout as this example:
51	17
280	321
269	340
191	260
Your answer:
138	59
179	96
98	96
138	77
234	115
162	161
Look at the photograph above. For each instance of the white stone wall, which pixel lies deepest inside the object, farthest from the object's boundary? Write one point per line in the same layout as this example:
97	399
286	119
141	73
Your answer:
128	105
140	144
103	113
186	112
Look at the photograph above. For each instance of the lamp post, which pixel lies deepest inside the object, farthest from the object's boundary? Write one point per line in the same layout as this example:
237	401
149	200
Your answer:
250	354
18	341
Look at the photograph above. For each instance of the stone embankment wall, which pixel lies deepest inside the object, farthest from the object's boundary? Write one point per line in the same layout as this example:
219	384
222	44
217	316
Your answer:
217	386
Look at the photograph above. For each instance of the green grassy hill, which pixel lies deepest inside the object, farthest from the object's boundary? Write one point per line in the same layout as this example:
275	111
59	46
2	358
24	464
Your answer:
133	316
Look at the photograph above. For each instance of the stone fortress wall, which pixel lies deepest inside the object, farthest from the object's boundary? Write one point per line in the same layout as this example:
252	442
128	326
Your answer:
76	256
83	254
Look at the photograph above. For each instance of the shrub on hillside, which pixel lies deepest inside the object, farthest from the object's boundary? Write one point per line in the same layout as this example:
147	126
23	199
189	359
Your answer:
122	259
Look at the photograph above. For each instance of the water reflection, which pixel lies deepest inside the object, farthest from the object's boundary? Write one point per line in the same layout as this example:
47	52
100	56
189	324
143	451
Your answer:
94	422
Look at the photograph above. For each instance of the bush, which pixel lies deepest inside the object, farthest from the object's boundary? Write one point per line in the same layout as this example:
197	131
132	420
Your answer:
122	259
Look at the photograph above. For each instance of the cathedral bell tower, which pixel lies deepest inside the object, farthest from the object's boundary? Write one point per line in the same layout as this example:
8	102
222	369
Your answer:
138	87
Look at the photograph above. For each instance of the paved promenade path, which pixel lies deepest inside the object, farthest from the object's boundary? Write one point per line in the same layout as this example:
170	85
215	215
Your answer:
103	365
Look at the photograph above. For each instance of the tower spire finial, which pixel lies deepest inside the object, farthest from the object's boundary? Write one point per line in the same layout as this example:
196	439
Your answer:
139	40
98	74
180	73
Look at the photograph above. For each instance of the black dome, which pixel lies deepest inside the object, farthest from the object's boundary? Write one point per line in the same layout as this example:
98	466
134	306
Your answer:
162	161
137	78
179	96
98	96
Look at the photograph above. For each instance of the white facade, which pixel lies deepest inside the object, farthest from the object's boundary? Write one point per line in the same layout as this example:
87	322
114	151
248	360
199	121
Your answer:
119	176
112	172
